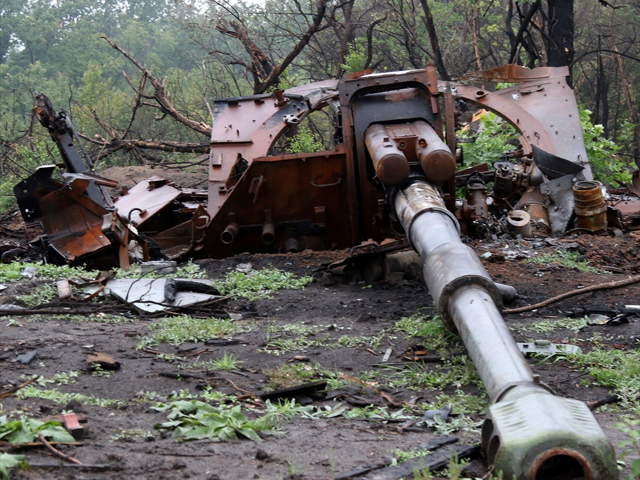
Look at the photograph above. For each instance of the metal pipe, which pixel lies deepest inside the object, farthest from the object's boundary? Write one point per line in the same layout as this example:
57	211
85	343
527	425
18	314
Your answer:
268	228
437	161
529	433
268	233
391	165
292	245
230	233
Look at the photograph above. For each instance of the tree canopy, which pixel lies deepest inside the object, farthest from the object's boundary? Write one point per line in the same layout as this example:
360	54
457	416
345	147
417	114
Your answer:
139	77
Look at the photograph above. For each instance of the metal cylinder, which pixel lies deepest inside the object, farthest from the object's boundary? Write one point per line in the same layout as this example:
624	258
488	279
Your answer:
533	202
268	233
519	223
291	245
436	160
589	206
391	165
230	233
528	434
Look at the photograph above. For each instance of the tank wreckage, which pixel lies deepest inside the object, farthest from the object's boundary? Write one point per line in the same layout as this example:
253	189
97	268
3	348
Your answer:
392	172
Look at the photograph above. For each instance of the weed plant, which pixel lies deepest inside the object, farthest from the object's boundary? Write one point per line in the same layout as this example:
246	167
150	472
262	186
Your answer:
566	258
182	329
188	270
615	369
259	283
12	272
57	396
289	375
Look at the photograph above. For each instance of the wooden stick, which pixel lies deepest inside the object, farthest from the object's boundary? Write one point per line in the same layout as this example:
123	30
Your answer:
10	392
573	293
58	452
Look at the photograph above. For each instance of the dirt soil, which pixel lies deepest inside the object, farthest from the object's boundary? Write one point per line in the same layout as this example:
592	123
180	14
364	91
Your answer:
121	442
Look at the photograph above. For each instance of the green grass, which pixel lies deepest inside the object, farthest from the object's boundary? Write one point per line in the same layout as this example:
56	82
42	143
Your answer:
182	329
458	371
227	362
43	294
566	258
188	270
618	370
550	326
289	375
57	396
12	272
259	283
431	332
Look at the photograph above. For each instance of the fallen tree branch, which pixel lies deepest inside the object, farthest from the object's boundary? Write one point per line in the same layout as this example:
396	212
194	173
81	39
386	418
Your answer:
573	293
13	390
57	452
161	95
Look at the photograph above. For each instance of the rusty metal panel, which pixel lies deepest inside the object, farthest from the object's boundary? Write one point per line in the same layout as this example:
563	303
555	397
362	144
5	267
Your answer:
542	107
286	191
73	224
146	199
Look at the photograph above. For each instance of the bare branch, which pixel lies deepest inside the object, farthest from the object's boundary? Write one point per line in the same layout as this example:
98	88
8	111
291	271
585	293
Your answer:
160	94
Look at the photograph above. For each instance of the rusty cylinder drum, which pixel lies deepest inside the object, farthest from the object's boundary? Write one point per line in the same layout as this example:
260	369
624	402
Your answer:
436	160
392	167
589	206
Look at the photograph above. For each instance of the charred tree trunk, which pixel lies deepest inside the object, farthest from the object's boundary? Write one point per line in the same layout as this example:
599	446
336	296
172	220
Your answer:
433	38
560	50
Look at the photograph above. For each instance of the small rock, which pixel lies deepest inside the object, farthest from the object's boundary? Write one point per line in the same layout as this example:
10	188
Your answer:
262	455
244	268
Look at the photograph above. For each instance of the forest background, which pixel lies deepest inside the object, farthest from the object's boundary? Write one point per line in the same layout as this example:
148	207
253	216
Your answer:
138	77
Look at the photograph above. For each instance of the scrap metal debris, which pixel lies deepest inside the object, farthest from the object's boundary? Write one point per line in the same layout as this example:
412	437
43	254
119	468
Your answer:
545	347
154	295
101	361
391	172
338	198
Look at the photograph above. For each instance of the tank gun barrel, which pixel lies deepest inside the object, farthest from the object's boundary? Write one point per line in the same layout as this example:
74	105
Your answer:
528	433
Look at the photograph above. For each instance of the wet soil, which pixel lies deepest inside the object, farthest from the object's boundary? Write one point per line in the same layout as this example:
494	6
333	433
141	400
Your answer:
121	441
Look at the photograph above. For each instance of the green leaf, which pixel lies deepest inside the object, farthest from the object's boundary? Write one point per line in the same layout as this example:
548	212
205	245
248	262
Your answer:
8	460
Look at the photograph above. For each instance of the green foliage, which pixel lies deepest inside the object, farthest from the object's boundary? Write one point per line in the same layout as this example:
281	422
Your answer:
463	403
7	198
57	396
94	87
8	460
566	258
457	372
181	329
41	295
491	142
616	369
356	58
289	375
225	363
259	283
601	152
630	446
187	270
305	141
26	430
12	272
194	420
550	326
432	332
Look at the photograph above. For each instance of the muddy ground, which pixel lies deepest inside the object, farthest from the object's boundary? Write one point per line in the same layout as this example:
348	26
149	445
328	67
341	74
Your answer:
348	328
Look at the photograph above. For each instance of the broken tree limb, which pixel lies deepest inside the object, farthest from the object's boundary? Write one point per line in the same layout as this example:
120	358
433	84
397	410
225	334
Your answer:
58	452
13	390
161	95
573	293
